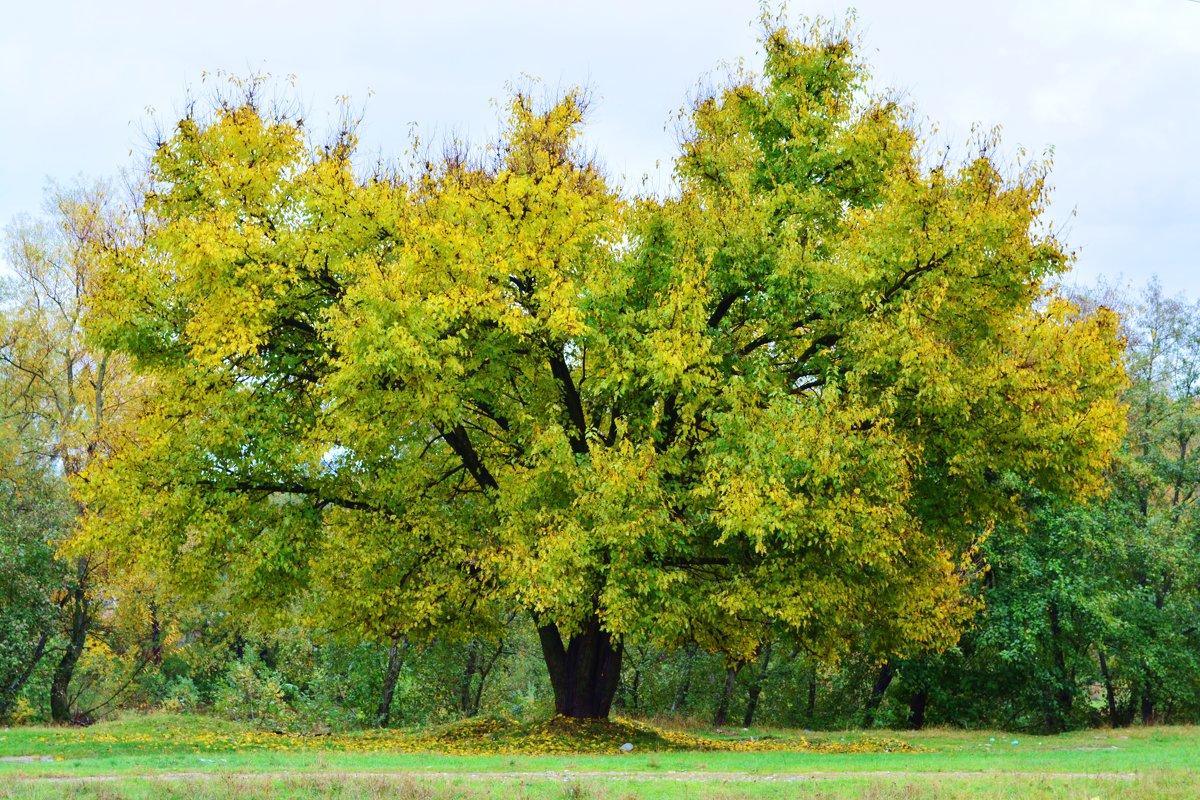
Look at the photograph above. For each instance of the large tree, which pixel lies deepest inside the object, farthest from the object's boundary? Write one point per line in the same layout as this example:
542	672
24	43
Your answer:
783	396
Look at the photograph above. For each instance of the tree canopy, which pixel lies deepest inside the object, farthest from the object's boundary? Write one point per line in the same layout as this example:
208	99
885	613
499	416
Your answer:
793	393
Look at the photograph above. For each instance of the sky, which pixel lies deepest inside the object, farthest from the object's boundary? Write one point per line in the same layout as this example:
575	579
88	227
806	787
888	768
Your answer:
1109	87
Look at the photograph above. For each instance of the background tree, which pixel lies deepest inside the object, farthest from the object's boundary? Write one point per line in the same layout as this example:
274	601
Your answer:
1090	607
781	398
1152	654
34	512
68	398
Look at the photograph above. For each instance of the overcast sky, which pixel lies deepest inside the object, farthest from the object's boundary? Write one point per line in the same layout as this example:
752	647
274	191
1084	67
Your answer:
1111	85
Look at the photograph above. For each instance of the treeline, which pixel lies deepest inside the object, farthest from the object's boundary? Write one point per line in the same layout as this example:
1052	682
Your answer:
1089	613
1069	638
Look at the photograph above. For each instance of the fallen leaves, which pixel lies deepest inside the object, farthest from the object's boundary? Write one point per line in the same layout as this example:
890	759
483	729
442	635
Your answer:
480	736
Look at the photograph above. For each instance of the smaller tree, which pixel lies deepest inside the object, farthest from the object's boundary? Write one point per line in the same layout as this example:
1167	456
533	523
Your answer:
1153	642
67	398
34	511
1091	607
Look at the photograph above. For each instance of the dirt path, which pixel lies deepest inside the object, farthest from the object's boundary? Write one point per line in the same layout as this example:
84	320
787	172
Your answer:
666	775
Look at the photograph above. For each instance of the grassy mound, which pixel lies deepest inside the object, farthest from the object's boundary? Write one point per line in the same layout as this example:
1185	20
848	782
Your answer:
555	735
562	735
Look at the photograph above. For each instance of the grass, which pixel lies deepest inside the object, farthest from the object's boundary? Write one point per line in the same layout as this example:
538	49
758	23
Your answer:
561	759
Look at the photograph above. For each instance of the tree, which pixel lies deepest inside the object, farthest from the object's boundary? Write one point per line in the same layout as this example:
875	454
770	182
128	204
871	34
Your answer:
34	512
1096	600
782	396
1152	640
68	399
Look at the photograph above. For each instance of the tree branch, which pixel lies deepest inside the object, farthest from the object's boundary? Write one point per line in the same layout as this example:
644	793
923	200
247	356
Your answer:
460	443
723	307
570	395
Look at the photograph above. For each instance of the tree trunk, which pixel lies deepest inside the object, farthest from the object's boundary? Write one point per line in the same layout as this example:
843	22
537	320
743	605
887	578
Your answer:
1114	719
60	697
1063	694
584	672
1130	709
9	698
464	687
757	686
882	681
383	716
635	687
722	716
1148	717
154	653
916	709
1149	714
685	684
484	670
811	711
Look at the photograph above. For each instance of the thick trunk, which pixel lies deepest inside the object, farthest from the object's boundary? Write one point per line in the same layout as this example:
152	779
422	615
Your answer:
584	672
60	697
383	716
882	681
722	715
916	709
1149	712
757	686
9	697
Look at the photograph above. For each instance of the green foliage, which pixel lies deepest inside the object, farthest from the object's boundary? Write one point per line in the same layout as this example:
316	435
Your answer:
1091	608
34	512
180	695
256	694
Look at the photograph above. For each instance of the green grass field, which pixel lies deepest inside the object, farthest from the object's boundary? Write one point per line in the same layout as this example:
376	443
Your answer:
201	758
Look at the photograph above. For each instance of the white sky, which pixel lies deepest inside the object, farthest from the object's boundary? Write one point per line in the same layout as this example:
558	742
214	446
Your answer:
1112	85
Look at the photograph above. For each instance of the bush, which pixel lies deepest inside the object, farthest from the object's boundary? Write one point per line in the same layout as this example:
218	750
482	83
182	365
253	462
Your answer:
180	695
255	694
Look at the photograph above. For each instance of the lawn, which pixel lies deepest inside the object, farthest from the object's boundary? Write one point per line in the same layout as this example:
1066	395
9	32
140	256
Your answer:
199	758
